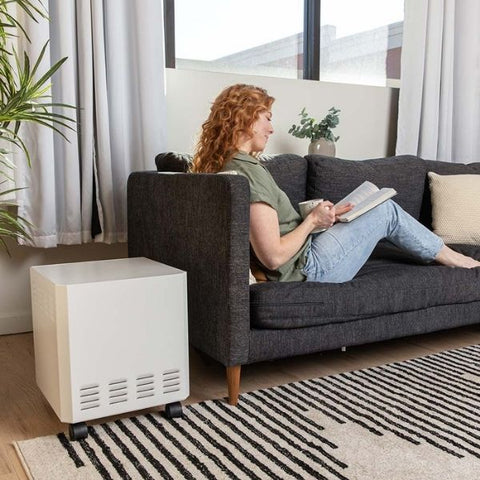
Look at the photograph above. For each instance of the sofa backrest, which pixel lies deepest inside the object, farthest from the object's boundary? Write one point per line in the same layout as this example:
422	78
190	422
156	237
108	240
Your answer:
290	173
288	170
317	176
333	178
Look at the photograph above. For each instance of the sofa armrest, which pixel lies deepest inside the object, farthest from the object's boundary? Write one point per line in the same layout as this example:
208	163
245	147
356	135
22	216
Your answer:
199	223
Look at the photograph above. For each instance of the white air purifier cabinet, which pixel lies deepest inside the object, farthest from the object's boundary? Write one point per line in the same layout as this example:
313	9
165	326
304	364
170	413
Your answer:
110	337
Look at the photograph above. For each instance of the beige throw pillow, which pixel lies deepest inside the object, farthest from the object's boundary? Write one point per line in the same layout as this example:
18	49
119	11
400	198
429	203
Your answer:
456	207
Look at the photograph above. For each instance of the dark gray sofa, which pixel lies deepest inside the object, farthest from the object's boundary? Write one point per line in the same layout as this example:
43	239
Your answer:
199	223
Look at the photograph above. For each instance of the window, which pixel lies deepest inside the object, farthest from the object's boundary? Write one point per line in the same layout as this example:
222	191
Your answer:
361	41
262	37
353	41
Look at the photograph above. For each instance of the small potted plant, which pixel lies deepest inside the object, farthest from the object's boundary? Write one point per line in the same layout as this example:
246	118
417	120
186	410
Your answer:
322	139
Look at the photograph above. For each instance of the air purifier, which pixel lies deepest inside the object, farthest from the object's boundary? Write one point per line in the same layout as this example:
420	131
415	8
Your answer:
110	337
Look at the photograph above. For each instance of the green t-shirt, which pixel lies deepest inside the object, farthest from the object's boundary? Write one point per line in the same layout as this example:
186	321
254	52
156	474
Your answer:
263	188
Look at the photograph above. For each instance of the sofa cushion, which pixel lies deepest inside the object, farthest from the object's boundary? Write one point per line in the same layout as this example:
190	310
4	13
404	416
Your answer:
173	162
442	168
333	178
381	287
455	207
469	250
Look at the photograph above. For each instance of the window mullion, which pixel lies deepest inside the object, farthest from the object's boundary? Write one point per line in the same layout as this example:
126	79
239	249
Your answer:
311	40
169	33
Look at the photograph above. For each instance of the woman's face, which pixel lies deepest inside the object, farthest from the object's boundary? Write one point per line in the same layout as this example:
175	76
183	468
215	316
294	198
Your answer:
262	129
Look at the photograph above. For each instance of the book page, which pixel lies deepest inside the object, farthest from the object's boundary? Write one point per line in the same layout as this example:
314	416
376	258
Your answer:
367	204
359	195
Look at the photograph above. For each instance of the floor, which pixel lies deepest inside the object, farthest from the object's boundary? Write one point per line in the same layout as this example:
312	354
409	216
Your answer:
24	413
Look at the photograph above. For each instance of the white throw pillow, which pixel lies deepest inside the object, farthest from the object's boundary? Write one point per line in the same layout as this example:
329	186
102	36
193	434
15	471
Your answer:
456	207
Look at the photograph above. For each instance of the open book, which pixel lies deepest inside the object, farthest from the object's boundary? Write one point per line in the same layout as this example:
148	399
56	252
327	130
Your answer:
364	198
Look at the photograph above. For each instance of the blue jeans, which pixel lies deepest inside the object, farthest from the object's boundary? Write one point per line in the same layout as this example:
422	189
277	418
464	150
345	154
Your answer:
337	254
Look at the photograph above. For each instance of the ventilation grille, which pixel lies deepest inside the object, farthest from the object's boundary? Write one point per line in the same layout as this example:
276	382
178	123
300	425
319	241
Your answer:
117	391
145	386
89	396
171	381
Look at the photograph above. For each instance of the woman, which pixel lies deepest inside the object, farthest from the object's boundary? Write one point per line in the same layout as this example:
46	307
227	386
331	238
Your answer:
238	127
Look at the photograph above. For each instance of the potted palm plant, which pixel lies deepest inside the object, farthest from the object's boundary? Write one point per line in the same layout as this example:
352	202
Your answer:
322	139
24	97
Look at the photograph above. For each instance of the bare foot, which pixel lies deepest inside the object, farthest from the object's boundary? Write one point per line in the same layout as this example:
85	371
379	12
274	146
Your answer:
451	258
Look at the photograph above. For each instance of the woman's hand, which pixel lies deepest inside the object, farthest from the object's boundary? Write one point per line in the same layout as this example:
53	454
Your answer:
323	215
274	250
326	214
341	209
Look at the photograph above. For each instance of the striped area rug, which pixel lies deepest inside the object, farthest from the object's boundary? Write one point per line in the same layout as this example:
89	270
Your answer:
418	419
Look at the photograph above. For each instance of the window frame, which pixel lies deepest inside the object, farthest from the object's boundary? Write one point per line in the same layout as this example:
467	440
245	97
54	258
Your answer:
311	39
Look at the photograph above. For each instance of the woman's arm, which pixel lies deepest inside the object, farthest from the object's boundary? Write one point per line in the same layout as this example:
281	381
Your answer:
272	249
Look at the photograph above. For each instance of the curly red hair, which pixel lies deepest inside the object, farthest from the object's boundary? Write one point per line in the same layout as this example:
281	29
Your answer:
232	114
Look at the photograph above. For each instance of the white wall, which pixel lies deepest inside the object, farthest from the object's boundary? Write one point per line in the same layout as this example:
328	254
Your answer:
367	129
15	304
367	119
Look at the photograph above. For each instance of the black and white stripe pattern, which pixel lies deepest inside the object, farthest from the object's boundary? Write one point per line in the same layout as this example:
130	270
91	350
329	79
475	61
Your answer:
279	433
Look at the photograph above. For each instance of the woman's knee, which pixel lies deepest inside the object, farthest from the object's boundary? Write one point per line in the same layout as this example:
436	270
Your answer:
386	210
389	209
389	205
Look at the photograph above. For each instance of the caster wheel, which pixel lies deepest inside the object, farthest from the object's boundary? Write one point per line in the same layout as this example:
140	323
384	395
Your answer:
78	431
173	410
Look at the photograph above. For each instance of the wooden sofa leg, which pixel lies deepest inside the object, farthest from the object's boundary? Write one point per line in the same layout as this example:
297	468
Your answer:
233	383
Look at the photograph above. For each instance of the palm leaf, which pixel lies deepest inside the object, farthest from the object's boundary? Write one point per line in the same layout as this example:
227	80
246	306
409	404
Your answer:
23	98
